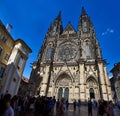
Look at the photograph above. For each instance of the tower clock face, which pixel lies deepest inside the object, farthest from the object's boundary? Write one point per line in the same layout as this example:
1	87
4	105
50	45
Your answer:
67	52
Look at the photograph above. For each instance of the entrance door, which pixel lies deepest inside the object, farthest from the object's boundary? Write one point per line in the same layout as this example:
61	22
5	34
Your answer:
60	92
66	94
92	94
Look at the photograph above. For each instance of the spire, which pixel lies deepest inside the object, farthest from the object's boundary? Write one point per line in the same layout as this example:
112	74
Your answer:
84	24
56	26
59	15
83	11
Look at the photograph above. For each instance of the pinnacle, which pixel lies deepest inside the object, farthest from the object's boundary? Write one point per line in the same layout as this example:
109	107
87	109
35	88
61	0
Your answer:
83	11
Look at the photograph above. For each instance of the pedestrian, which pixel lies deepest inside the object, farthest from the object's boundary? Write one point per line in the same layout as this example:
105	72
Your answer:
119	105
8	109
89	107
57	104
79	104
62	108
67	104
101	108
108	108
74	105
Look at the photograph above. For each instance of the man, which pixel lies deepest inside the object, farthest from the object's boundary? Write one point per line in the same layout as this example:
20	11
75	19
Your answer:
89	107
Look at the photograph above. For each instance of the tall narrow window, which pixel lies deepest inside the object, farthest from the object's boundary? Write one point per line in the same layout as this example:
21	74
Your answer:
2	69
87	50
49	53
84	26
20	62
4	39
1	50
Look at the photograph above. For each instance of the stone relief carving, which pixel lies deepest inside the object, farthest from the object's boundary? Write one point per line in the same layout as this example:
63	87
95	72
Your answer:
64	82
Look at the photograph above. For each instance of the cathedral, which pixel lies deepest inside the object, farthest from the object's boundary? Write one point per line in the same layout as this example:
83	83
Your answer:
70	63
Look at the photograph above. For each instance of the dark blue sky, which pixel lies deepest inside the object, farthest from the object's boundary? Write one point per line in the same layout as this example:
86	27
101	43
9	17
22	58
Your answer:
31	18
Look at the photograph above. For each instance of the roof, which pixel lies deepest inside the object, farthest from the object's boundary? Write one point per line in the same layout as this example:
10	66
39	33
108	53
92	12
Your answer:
21	41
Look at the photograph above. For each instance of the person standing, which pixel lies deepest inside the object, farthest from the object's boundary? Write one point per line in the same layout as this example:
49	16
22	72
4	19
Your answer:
67	104
74	105
57	104
62	108
119	105
8	109
89	107
101	108
79	104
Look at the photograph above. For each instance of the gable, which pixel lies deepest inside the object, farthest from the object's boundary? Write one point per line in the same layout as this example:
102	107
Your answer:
69	29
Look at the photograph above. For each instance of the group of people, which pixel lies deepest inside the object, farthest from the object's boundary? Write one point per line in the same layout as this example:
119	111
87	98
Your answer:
63	106
26	106
45	106
103	108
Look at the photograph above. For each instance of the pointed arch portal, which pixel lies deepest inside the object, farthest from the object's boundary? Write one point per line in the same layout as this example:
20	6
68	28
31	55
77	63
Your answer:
63	82
92	94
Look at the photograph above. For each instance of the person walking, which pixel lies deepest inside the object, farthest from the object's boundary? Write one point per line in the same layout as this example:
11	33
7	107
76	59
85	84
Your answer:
62	108
67	104
74	105
8	109
57	105
89	107
79	104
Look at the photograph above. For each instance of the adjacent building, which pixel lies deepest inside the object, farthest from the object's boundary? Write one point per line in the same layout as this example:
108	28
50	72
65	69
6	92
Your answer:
116	76
24	87
13	56
70	63
112	82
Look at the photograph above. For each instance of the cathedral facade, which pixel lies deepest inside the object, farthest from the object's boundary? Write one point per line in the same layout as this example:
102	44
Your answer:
70	63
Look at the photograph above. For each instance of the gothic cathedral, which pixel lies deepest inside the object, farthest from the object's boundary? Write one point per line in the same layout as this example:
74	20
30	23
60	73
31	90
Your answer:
70	63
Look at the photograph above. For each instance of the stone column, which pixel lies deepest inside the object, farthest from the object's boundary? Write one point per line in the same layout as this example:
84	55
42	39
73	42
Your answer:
102	80
108	85
45	81
82	76
53	90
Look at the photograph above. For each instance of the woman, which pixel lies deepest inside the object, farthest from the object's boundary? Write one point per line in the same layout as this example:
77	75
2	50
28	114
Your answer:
61	111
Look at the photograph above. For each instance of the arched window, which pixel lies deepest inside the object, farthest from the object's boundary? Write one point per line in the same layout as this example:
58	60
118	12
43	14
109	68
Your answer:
88	54
85	26
49	53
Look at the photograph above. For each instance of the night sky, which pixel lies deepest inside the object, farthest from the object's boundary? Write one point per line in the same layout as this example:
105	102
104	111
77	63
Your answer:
31	19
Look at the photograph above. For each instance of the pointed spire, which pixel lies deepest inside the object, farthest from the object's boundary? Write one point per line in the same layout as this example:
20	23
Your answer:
56	26
59	14
83	11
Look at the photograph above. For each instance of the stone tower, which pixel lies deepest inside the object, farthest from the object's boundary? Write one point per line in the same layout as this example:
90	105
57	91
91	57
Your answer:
70	63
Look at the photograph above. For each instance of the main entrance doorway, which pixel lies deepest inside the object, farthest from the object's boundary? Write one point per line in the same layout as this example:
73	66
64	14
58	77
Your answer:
92	94
63	92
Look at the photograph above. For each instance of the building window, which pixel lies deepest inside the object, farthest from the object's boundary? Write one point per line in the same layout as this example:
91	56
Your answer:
20	62
49	53
2	69
88	51
1	50
84	26
4	39
7	57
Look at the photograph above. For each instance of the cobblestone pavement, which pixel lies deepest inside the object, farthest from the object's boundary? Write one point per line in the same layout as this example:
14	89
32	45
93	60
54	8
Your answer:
84	112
